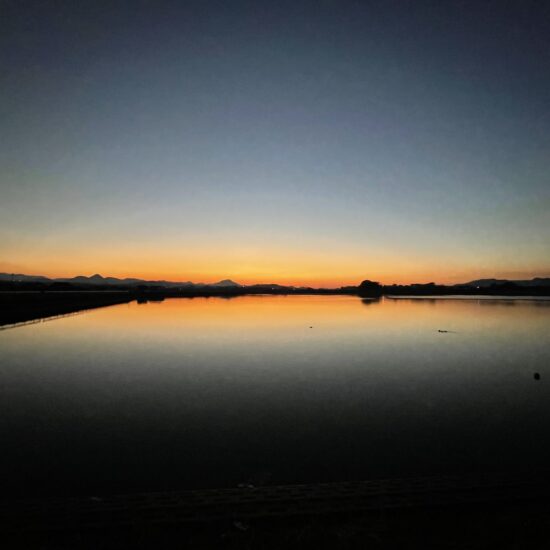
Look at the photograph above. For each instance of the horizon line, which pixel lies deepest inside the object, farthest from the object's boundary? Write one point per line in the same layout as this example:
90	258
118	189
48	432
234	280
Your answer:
229	279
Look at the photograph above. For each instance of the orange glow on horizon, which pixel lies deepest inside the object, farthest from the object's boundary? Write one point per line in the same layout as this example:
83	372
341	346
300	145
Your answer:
277	265
298	280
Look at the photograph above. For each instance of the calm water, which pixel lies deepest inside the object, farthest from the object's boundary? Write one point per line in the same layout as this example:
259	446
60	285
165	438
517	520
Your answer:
215	392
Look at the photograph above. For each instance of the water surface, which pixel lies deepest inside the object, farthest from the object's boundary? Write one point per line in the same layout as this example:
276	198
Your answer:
208	392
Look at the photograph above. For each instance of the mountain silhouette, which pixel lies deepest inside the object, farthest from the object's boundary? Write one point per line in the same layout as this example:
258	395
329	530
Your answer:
226	283
98	279
367	287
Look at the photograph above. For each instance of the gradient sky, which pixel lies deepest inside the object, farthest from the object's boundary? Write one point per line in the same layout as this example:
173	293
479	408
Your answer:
296	142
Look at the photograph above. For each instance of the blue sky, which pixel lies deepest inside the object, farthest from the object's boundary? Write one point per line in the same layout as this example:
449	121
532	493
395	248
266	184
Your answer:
308	142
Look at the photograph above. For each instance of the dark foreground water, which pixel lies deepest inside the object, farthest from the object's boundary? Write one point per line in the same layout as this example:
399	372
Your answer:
213	392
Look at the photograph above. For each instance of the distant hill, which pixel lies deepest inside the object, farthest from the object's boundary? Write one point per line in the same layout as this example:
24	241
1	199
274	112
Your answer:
486	283
226	283
99	280
18	277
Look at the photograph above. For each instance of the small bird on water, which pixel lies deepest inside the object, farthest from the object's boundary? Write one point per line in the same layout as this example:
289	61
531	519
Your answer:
536	376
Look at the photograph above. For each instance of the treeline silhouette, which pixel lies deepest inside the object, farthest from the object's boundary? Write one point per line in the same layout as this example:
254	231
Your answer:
508	288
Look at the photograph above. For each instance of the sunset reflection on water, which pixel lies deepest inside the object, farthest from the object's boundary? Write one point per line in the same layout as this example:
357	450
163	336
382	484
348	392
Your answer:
209	391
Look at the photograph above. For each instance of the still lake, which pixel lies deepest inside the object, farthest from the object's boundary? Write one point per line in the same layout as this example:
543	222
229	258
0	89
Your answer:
211	392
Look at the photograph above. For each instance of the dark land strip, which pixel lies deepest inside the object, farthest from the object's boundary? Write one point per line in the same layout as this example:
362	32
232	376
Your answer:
19	307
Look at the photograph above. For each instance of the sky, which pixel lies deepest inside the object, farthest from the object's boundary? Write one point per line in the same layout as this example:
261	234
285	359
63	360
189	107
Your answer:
311	143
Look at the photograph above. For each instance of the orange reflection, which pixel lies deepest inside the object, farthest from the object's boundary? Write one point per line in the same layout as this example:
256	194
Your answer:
299	317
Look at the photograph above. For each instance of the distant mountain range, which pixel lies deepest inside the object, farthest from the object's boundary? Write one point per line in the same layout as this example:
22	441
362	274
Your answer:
99	280
486	283
113	281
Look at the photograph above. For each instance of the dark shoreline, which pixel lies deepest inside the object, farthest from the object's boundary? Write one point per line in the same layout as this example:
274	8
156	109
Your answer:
23	305
20	307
